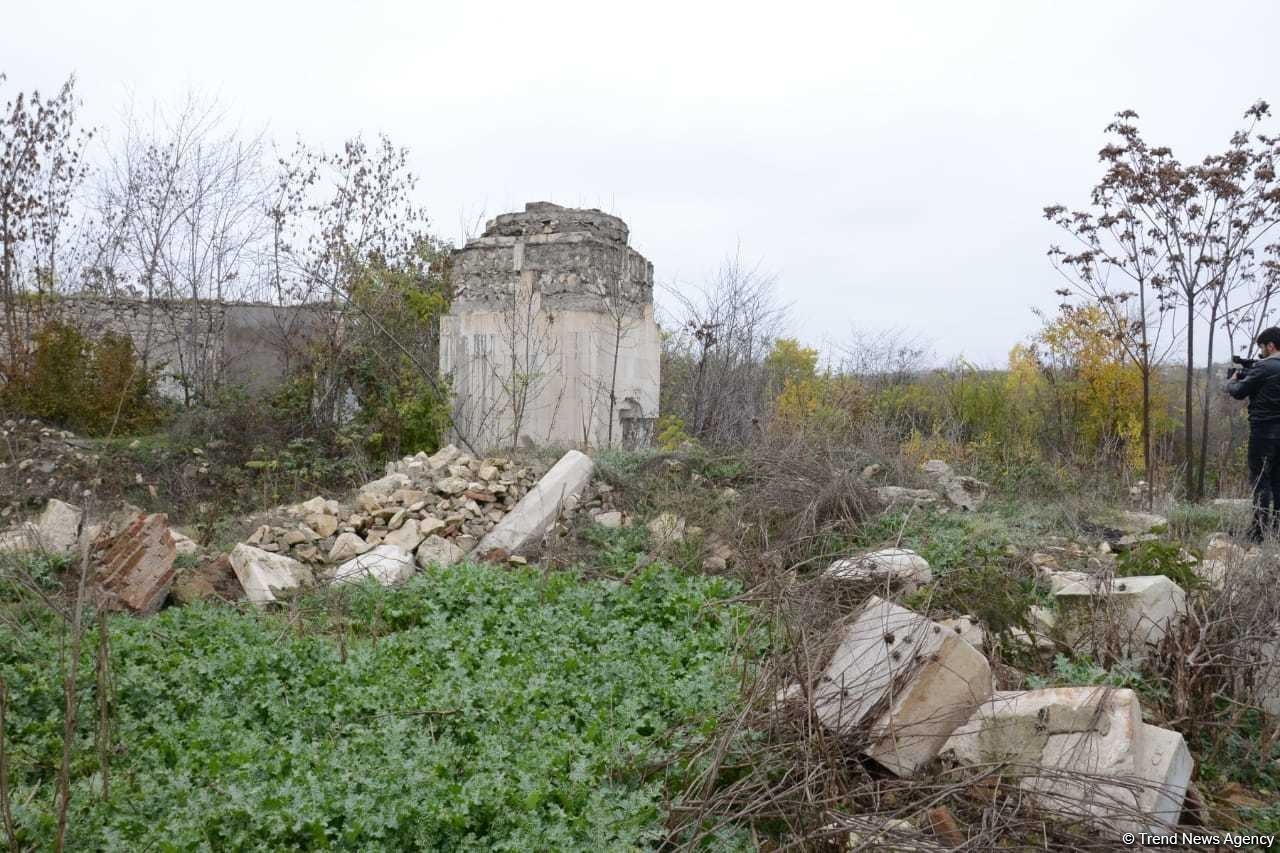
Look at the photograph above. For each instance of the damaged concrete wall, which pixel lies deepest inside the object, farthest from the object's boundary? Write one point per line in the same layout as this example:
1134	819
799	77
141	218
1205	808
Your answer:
247	345
551	338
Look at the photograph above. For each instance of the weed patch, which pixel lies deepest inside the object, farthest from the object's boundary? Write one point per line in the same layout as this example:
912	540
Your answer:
473	709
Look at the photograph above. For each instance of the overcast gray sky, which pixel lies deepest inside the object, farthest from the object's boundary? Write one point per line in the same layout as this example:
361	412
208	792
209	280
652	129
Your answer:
888	161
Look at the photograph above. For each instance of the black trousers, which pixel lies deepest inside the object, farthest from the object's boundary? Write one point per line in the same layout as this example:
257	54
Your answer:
1264	474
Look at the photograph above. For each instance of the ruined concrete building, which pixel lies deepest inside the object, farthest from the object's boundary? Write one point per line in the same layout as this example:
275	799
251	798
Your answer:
551	338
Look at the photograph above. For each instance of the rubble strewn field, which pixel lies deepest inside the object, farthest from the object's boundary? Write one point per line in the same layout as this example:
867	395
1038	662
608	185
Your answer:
953	669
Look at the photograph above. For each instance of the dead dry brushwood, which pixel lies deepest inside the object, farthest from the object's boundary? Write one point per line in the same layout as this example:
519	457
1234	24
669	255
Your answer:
798	492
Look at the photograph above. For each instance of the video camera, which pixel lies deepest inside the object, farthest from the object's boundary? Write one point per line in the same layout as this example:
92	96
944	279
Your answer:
1241	364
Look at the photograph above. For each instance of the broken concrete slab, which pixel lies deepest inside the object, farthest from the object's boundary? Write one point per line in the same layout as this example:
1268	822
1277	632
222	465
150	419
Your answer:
1266	672
135	567
387	564
1081	752
900	494
263	574
20	539
531	518
438	551
183	544
611	519
967	628
59	527
1138	611
903	679
1166	766
56	531
900	568
1059	581
968	493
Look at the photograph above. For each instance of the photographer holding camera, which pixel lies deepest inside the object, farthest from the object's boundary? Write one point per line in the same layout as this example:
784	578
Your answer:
1260	382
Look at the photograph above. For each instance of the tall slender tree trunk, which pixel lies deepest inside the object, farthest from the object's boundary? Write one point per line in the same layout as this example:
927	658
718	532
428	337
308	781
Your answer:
1147	473
1208	401
1188	418
613	381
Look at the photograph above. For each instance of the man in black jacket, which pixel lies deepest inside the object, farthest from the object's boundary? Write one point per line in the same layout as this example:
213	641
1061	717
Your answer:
1261	384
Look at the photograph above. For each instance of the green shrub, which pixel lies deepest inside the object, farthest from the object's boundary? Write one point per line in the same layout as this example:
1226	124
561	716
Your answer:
1170	559
473	709
90	386
1083	672
988	591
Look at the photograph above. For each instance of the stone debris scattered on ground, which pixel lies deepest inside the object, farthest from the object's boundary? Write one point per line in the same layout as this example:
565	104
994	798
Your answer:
1081	752
40	463
894	495
957	490
56	531
967	493
665	530
897	568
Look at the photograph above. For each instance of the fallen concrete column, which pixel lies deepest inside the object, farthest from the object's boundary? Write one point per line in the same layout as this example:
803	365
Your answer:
905	680
263	574
533	516
135	568
1082	753
1138	611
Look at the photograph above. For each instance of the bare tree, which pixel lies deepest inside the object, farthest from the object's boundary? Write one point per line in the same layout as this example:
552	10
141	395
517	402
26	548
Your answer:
183	200
1188	232
620	293
522	369
725	330
41	169
1117	263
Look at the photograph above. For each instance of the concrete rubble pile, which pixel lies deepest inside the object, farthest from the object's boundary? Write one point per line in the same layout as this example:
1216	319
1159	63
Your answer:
913	690
1081	753
132	553
426	511
437	507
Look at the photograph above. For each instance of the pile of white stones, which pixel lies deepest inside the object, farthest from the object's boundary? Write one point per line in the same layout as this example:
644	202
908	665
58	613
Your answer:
446	501
427	511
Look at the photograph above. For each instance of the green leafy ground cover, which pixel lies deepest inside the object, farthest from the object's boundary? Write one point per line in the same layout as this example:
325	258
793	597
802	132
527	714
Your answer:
477	709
